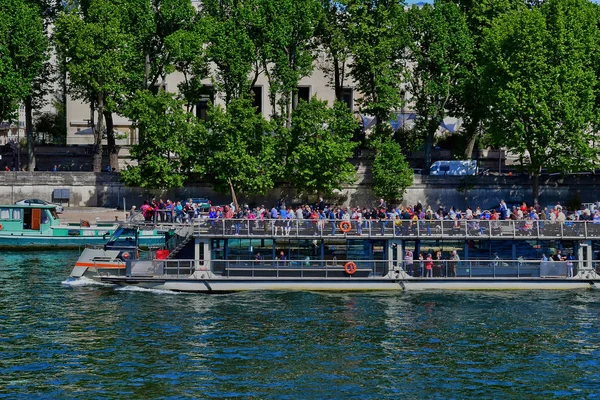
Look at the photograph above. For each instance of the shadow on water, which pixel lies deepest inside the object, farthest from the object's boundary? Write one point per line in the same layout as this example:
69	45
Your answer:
65	341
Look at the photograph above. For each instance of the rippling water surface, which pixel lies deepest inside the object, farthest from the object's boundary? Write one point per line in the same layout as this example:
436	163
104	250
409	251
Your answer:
62	340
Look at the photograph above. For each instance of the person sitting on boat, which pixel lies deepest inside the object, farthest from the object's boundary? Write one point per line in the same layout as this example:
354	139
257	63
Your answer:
258	258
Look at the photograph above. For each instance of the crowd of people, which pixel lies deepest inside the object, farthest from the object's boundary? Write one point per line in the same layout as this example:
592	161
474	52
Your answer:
278	219
404	219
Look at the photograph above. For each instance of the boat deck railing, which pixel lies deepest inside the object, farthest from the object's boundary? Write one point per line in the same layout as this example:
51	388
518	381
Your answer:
468	229
444	269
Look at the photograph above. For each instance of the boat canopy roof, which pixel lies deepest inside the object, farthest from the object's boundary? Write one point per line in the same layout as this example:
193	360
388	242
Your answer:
43	206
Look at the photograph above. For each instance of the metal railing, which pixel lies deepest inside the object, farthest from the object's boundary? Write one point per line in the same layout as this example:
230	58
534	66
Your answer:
324	269
496	268
471	229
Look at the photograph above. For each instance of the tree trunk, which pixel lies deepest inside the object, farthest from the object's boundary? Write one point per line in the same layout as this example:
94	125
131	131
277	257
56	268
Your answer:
337	81
427	160
535	191
97	161
113	151
471	134
288	111
29	135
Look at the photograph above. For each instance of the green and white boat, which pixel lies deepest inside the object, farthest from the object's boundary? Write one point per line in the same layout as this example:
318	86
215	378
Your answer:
35	226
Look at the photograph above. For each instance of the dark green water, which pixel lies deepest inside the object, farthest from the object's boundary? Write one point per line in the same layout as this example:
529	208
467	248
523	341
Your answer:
63	341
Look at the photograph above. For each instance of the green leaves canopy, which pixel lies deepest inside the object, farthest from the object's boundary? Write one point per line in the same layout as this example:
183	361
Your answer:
241	149
391	173
320	148
23	54
174	141
542	84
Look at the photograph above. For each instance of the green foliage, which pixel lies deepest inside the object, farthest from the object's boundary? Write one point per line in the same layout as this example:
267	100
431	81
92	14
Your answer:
234	45
391	173
94	48
319	147
333	36
241	149
541	70
23	54
50	128
440	50
174	141
377	32
288	30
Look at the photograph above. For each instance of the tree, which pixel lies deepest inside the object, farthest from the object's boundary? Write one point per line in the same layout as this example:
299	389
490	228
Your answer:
440	51
542	85
26	45
172	146
377	32
320	148
288	29
234	45
241	149
391	173
94	48
332	36
469	102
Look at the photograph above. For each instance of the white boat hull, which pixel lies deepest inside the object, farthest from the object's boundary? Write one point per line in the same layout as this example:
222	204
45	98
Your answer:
222	285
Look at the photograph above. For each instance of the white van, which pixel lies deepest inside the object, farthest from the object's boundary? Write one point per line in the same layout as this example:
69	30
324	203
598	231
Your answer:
456	168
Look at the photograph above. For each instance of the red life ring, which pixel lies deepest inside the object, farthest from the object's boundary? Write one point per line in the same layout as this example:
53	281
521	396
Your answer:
350	268
0	227
345	226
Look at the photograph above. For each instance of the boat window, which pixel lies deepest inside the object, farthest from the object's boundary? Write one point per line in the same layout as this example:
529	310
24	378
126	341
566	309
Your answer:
17	214
123	237
5	213
45	217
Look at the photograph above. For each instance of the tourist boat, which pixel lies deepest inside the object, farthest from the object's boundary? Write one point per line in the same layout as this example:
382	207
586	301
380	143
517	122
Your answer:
37	226
215	256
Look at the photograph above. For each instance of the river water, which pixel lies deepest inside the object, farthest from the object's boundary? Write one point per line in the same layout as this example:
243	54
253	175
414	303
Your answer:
62	341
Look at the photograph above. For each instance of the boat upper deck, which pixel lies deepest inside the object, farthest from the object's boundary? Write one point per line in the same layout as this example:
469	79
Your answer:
401	229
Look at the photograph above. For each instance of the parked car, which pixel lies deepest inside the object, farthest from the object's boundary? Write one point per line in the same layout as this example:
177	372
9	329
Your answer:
59	208
202	202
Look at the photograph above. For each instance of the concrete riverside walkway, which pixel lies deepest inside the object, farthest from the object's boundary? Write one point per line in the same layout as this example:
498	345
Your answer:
91	214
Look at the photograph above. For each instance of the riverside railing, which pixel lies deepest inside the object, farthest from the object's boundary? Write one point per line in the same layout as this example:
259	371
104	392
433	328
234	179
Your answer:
469	229
335	269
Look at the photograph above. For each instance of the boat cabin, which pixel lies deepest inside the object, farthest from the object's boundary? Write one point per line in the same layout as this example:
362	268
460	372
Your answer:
30	218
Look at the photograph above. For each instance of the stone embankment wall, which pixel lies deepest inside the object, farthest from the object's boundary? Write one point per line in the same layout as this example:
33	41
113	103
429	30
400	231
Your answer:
105	190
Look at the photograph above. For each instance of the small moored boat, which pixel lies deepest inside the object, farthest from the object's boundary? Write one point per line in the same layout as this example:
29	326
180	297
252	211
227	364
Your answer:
37	226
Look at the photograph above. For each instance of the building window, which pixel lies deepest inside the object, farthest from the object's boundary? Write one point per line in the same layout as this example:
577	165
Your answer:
304	93
348	97
257	101
207	97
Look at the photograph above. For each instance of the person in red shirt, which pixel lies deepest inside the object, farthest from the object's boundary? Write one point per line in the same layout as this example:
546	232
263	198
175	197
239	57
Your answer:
428	266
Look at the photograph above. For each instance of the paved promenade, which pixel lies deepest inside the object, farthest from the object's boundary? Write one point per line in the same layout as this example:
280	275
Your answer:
92	214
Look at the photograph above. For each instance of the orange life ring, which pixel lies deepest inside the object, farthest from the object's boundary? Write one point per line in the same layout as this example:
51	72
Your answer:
350	268
345	226
125	255
0	227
